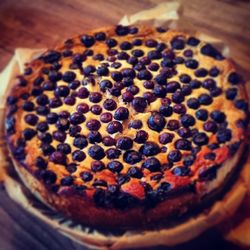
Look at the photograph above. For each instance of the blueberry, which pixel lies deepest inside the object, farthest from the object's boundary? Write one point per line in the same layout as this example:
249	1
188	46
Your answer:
209	84
195	84
179	109
97	166
153	67
161	79
188	160
115	166
187	120
96	109
41	163
133	89
64	148
102	71
67	181
80	142
186	90
210	156
42	100
201	114
42	126
224	135
136	124
58	157
173	125
144	75
181	171
205	99
178	97
127	96
231	93
74	85
55	76
151	43
121	30
28	106
191	64
178	60
135	172
209	50
184	132
200	139
78	155
48	177
193	103
62	124
150	149
93	124
86	176
82	108
95	97
77	118
183	144
177	43
109	104
132	157
156	122
69	76
114	127
154	55
234	78
94	137
98	57
59	136
124	143
111	42
214	72
47	149
174	156
70	100
31	119
51	56
241	104
100	36
139	104
108	141
172	86
121	113
55	103
83	93
141	136
216	92
192	41
152	164
62	91
188	53
87	40
106	117
201	72
218	116
165	138
184	78
113	153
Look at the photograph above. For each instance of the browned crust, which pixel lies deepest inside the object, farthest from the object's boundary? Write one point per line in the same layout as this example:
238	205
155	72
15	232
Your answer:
82	208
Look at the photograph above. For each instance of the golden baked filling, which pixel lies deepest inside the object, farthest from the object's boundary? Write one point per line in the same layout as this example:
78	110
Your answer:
127	116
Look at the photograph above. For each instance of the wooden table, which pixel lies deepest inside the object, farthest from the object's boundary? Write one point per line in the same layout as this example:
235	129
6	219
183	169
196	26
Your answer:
43	23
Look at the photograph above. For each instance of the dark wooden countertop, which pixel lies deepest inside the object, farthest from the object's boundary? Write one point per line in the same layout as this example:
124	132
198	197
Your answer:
43	23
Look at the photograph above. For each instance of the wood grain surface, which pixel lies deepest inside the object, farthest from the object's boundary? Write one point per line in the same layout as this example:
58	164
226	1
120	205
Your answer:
43	23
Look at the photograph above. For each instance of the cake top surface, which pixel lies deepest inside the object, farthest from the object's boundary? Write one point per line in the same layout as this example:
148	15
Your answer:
128	111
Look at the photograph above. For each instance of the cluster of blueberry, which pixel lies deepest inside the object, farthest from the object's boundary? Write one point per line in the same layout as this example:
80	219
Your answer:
155	77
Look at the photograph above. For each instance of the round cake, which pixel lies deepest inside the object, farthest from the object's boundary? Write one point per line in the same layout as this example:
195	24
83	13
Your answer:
127	127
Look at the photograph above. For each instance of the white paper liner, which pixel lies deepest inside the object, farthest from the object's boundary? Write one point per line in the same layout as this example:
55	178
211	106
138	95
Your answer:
164	14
